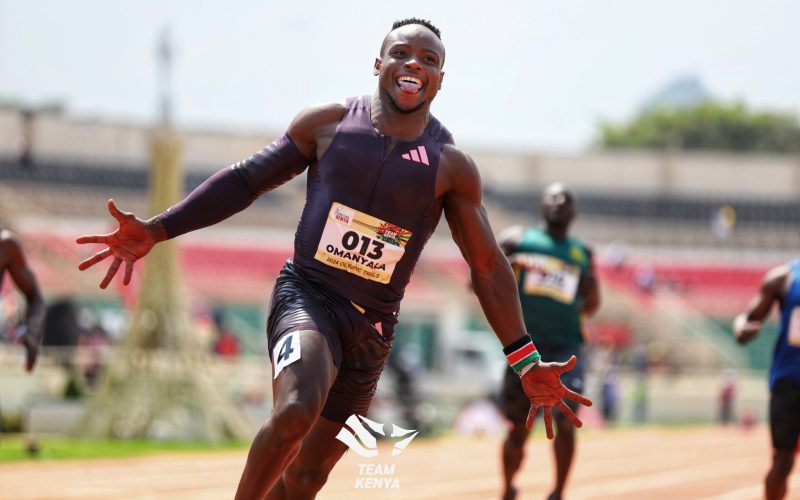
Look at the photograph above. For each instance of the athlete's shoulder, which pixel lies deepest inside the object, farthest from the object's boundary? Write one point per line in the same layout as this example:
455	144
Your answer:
318	115
779	272
10	246
8	237
439	132
456	158
577	242
510	239
776	280
579	251
315	122
537	239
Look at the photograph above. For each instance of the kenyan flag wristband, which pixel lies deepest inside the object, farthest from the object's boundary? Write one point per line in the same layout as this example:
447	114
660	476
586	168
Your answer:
522	355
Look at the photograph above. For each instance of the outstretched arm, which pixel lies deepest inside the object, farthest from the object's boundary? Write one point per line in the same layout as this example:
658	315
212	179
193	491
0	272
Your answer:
747	324
25	281
224	194
495	285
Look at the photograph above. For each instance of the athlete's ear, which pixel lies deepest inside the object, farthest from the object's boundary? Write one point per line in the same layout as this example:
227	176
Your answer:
441	77
377	69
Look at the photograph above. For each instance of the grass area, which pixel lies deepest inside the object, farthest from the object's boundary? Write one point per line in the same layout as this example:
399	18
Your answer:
15	447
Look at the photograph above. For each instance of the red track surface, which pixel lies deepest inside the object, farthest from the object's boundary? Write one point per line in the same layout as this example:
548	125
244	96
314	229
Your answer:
698	463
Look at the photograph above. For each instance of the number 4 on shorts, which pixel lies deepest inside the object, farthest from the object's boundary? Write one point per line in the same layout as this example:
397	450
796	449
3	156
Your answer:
286	352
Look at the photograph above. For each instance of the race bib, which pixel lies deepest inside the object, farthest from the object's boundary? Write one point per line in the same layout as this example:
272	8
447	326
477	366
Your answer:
793	335
361	244
286	352
549	277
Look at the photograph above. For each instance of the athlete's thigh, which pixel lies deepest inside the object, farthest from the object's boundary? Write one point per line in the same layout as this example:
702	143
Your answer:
303	370
303	345
784	415
365	350
320	451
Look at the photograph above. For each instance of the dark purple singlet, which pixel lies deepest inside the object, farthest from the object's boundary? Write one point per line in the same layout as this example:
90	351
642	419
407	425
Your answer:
368	215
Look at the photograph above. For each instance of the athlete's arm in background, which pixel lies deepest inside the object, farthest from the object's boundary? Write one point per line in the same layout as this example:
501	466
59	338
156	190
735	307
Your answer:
25	281
224	194
747	324
588	289
509	239
459	185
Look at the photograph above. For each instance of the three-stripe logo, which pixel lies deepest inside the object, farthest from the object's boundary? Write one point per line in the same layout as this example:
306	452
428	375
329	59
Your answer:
418	154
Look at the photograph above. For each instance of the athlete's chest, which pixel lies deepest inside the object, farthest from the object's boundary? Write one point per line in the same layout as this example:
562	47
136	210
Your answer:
376	170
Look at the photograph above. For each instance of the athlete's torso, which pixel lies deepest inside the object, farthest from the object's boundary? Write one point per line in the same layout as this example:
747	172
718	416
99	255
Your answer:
786	357
548	273
369	213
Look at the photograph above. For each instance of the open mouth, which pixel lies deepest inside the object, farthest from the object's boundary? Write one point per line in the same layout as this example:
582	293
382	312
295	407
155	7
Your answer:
409	84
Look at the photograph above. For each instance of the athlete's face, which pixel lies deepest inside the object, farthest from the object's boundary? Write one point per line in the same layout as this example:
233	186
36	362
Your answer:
410	67
558	205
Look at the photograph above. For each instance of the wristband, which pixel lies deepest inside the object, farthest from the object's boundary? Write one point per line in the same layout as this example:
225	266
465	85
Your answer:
522	355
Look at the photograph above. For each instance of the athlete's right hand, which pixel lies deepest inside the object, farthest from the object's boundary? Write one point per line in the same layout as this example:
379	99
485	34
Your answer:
542	384
131	241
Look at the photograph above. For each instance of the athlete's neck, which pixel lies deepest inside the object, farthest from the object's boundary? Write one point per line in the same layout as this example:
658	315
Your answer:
558	233
389	120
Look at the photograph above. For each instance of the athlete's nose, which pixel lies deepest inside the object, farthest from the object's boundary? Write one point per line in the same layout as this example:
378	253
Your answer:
412	63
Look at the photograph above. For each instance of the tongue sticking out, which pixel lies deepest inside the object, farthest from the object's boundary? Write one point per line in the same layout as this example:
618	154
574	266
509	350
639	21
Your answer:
409	86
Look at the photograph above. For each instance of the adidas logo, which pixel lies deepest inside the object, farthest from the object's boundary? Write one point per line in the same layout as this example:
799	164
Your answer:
418	155
363	443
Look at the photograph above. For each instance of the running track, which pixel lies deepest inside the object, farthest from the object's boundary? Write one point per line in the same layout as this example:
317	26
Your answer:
697	463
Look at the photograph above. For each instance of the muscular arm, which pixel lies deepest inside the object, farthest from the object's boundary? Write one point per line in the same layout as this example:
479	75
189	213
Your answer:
225	193
747	324
496	287
25	281
588	289
492	277
234	188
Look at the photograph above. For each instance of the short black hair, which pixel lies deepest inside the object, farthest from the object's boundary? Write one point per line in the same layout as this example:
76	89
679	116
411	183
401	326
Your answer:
416	20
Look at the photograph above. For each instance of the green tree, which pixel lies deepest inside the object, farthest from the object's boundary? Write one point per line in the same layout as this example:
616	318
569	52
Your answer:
710	125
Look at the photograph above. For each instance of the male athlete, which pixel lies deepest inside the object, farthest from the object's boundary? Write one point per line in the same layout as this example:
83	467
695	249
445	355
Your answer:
781	285
381	170
12	260
558	289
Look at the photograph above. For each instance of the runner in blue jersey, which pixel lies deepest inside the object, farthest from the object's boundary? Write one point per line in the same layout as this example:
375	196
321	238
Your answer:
381	172
781	285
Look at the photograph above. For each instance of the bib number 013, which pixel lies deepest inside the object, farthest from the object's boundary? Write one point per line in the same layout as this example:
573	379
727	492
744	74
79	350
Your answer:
360	244
351	240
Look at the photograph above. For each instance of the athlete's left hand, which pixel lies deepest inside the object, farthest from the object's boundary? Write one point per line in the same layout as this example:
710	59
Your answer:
542	385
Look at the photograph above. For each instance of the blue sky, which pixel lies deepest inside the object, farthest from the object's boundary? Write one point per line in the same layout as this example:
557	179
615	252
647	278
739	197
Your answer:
527	75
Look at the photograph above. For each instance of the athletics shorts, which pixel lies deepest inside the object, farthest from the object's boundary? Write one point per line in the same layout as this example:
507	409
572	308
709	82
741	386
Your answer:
515	405
360	350
784	414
